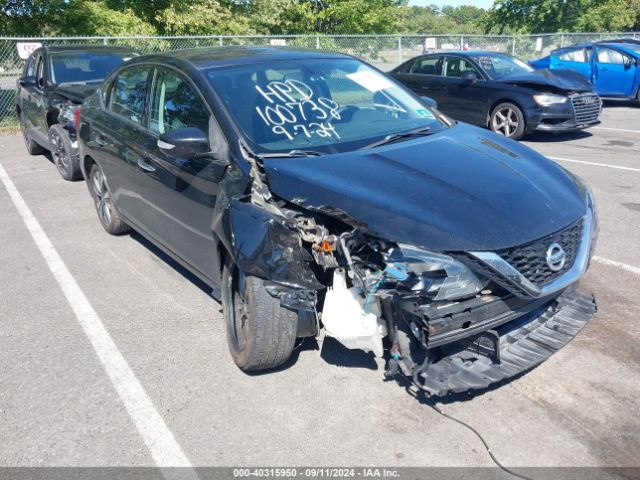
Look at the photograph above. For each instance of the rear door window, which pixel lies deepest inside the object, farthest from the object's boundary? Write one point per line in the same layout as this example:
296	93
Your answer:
30	68
425	66
40	72
175	104
575	55
129	93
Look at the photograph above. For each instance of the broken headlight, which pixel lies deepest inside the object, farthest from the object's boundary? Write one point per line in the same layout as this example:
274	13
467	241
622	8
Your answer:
439	276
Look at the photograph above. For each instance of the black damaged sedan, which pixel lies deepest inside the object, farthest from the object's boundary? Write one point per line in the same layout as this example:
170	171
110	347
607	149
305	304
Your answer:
317	196
500	92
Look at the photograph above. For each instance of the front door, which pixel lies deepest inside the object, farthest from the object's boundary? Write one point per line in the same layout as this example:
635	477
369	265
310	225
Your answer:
615	73
463	98
177	195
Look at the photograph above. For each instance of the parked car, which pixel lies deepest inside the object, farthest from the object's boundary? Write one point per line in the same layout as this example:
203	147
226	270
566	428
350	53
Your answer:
500	92
53	84
316	195
614	69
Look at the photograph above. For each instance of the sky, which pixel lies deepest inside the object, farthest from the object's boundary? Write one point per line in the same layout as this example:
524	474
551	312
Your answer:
453	3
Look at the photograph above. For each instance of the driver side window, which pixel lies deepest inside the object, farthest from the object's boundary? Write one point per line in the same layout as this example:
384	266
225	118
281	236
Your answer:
174	104
607	55
456	67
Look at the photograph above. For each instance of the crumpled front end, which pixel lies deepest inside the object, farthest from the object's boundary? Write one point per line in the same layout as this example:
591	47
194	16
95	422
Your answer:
450	321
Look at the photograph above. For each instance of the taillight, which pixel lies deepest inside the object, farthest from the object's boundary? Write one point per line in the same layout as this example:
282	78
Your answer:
76	119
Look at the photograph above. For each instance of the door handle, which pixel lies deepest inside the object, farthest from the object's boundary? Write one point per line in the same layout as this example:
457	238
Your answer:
147	167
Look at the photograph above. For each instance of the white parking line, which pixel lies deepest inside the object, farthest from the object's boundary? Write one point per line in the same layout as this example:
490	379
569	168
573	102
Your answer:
596	164
617	129
613	263
156	435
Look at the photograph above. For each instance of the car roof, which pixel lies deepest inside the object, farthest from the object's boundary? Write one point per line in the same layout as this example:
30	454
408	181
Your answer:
208	57
87	48
468	53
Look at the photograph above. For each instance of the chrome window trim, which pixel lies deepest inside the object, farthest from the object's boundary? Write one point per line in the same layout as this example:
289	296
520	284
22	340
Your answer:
504	268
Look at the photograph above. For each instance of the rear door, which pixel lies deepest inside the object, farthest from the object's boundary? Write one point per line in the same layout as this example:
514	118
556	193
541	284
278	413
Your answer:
177	195
33	101
422	76
462	99
25	92
615	72
118	137
573	59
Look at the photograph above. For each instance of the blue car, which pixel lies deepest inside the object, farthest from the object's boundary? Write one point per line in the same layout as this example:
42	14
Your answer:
614	68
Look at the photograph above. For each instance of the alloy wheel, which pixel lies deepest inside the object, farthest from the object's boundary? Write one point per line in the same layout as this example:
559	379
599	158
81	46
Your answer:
505	121
103	197
60	154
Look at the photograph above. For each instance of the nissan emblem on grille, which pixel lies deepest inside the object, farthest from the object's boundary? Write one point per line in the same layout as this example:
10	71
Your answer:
556	257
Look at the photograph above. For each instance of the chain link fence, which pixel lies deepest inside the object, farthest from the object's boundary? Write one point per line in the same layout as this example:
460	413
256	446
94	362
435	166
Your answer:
383	51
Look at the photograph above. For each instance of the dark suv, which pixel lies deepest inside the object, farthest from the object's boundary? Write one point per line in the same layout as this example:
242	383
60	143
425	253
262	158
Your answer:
317	196
54	82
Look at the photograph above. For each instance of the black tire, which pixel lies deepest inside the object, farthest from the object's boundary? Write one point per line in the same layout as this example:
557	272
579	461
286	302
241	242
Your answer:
65	157
32	147
508	120
107	213
260	333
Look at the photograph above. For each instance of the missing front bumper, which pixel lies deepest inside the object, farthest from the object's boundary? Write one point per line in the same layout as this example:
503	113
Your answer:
509	350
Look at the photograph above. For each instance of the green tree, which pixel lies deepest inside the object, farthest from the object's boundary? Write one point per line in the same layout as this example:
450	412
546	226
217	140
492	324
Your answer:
548	16
202	17
94	17
30	17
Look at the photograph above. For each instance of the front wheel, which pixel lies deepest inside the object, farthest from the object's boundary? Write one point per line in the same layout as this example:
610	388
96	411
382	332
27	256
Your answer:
64	155
108	215
508	120
260	333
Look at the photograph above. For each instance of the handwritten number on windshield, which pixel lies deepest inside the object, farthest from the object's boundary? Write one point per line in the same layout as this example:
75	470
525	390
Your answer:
292	110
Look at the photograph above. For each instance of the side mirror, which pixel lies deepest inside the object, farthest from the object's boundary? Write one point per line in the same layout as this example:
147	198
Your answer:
430	102
29	81
469	76
628	63
184	143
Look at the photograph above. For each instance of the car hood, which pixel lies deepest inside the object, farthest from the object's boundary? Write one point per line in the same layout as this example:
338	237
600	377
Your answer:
566	80
458	190
76	93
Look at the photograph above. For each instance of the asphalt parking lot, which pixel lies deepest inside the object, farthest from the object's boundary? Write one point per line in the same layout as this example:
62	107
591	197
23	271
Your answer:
176	397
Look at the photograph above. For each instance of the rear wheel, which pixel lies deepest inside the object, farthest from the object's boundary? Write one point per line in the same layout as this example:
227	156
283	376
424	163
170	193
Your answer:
64	155
108	215
508	120
261	334
32	147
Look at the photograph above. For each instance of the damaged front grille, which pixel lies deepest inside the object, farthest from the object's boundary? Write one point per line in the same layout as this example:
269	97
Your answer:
586	108
531	259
